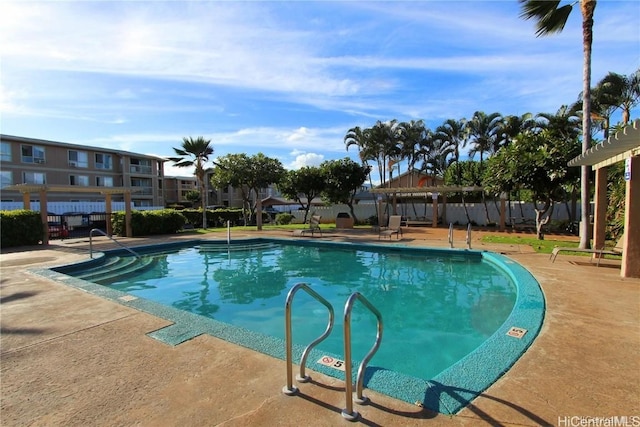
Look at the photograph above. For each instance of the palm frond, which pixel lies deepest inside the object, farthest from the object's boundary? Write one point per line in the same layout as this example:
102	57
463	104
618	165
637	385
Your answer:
550	18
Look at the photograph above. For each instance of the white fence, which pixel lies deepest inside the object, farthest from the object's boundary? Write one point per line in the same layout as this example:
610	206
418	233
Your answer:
59	208
454	212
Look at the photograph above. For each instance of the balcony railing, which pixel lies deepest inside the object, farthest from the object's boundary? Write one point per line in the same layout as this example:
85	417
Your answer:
140	169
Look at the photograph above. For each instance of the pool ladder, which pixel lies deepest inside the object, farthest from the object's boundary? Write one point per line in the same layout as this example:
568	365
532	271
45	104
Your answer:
289	389
97	230
467	239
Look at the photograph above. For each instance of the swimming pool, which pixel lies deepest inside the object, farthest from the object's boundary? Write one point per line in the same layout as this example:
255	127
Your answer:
441	308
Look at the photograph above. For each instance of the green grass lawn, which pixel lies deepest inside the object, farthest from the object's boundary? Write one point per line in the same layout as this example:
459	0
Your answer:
540	246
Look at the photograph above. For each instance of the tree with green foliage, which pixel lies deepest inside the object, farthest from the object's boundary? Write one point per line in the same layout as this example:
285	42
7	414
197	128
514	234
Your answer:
249	174
343	180
551	18
535	162
303	185
195	153
193	196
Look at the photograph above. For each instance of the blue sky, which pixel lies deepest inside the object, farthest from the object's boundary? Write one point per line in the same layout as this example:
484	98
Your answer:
285	78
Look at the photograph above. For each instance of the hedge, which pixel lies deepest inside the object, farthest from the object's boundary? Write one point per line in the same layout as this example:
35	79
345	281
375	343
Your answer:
20	228
147	223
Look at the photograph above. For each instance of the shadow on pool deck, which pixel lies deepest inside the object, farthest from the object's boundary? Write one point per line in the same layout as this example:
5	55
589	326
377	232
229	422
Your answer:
72	358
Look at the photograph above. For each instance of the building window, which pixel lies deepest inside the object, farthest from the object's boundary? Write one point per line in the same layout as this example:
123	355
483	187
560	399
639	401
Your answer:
78	159
81	180
140	166
33	178
144	186
104	161
5	152
104	181
6	178
32	154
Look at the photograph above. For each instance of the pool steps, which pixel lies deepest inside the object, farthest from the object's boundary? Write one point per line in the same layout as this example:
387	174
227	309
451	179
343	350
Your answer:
117	267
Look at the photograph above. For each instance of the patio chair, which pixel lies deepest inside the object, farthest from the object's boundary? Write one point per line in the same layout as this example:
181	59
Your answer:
314	227
394	227
616	250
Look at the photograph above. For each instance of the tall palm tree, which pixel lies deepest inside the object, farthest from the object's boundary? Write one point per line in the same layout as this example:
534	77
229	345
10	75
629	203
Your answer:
483	131
509	129
195	153
511	126
452	134
414	134
362	140
551	18
625	90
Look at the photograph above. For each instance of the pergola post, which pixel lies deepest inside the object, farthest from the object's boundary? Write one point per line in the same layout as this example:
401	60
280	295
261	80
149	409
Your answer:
444	209
43	216
631	243
109	209
503	211
434	221
600	214
26	200
127	214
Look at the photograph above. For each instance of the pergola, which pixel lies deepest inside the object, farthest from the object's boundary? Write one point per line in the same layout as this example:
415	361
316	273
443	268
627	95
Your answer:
435	192
623	146
42	190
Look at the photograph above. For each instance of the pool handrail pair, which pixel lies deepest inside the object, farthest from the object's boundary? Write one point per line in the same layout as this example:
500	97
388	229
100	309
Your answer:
289	389
467	240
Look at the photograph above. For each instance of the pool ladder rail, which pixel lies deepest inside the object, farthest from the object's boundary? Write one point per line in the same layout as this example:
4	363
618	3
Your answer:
112	239
468	238
289	389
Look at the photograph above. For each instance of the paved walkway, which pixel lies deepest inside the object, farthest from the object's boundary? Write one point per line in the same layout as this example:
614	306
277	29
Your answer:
69	358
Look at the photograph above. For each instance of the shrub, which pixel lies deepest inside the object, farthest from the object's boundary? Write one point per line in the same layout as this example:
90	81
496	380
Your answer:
20	228
215	218
147	223
284	218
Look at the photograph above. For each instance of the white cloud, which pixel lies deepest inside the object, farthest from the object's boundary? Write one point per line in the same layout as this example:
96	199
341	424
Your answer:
306	159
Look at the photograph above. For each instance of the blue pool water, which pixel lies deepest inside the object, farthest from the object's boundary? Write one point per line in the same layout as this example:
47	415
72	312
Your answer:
440	308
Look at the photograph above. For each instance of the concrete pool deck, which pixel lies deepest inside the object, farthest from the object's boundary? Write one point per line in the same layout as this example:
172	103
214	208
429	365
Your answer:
71	358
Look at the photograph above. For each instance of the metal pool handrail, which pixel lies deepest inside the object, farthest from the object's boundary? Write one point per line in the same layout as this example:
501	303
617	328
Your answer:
290	389
348	413
469	236
451	234
112	239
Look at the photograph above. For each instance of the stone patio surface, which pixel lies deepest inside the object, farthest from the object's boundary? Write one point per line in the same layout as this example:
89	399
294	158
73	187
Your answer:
69	358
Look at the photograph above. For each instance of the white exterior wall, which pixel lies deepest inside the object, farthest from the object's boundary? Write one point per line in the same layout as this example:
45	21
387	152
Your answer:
455	212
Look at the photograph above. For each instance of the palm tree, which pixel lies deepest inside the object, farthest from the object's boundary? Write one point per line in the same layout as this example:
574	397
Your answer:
511	126
414	134
483	131
414	137
361	139
551	19
509	129
625	91
195	153
452	134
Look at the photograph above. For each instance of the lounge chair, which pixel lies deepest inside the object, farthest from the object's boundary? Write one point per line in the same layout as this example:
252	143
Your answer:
616	250
314	226
394	227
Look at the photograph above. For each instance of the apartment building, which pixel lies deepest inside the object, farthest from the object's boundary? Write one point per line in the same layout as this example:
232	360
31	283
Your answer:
72	167
177	187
